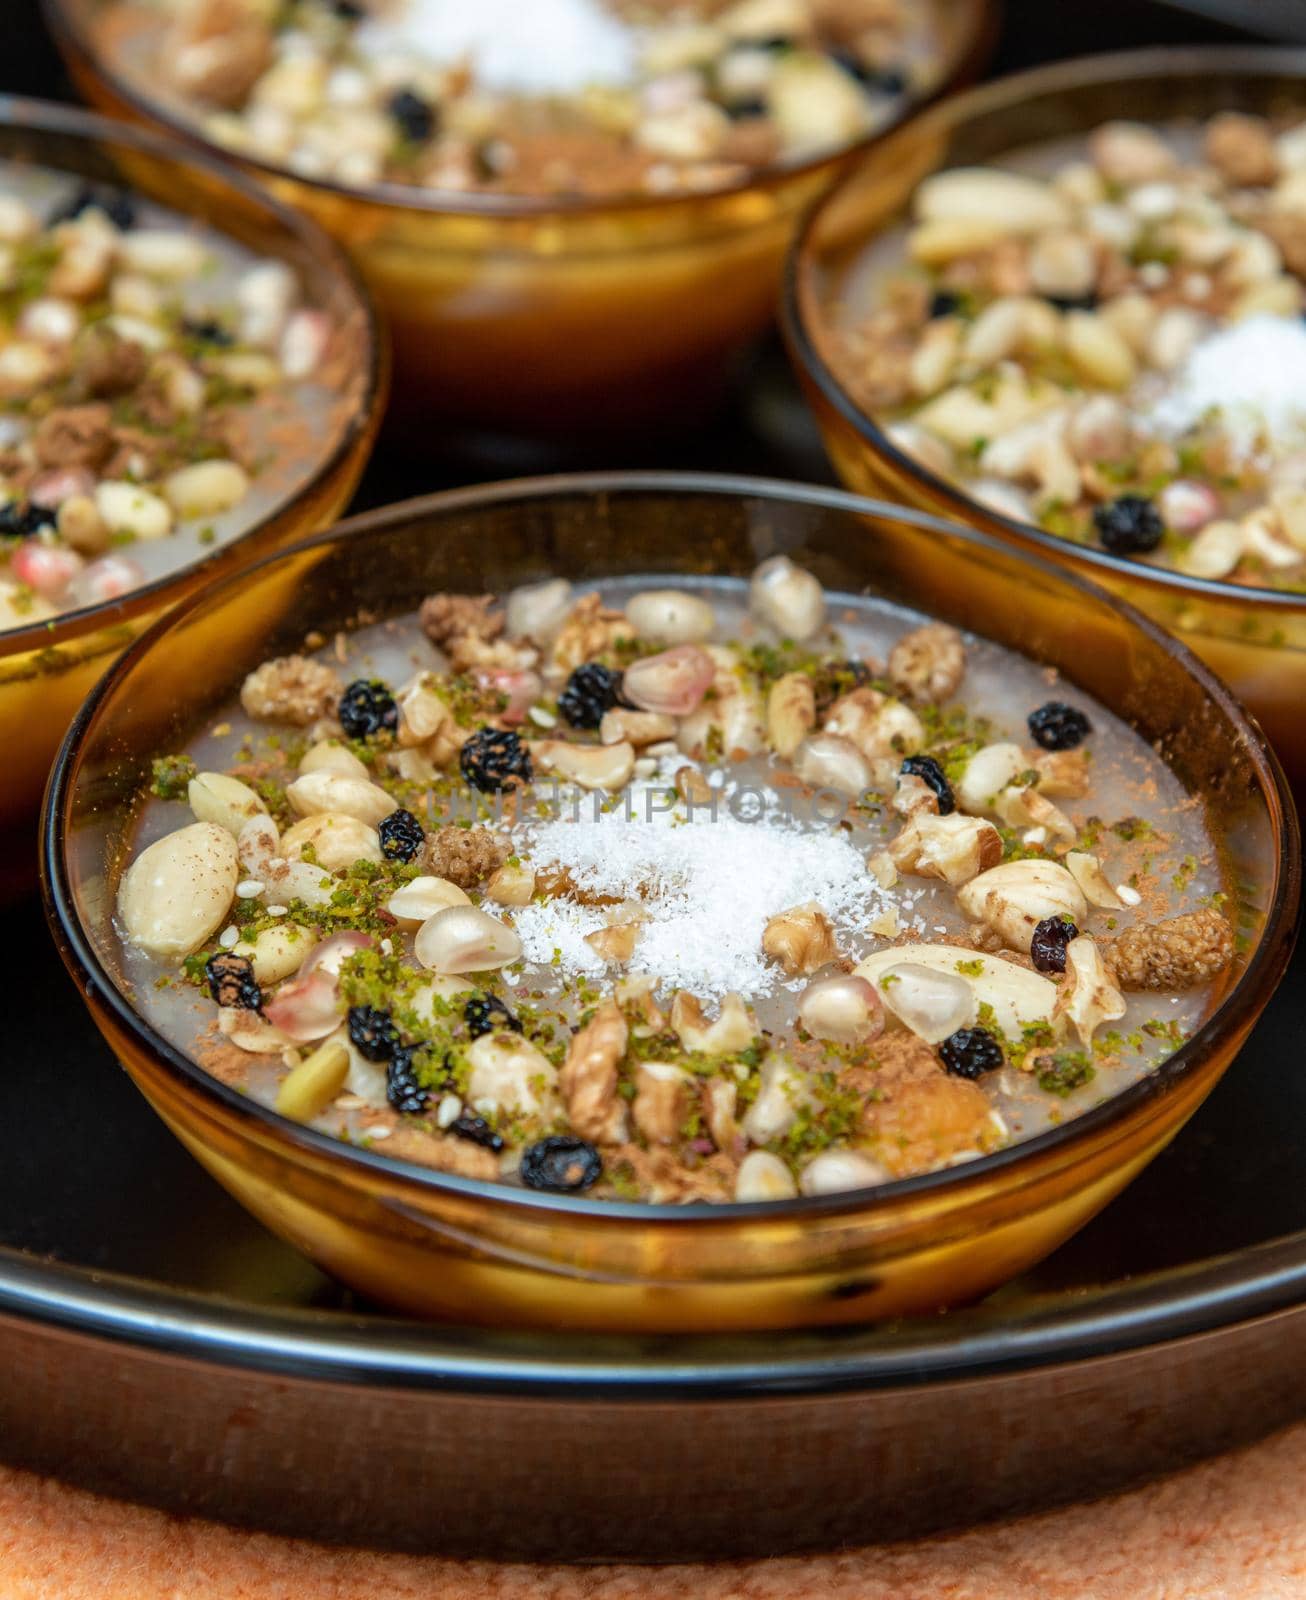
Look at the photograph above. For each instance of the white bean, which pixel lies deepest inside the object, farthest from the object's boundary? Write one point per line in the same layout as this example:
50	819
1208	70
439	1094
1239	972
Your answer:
163	253
834	1171
317	792
763	1176
206	488
128	509
217	797
276	952
338	840
329	756
670	616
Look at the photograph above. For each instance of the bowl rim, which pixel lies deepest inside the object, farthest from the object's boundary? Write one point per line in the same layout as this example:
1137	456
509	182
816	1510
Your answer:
1238	1008
75	41
1189	61
53	118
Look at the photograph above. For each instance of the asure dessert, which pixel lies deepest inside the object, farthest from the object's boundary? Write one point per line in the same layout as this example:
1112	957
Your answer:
1106	339
554	98
730	892
150	370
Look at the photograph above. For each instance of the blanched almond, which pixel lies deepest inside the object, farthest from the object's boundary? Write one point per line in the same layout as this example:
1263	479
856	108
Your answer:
1015	897
178	891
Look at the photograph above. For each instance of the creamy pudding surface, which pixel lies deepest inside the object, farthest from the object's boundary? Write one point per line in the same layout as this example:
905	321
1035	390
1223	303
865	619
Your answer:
727	891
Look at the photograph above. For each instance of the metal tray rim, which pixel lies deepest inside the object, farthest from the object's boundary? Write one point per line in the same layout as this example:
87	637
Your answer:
373	1351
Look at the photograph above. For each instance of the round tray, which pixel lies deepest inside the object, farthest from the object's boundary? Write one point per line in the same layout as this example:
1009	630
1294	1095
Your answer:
158	1344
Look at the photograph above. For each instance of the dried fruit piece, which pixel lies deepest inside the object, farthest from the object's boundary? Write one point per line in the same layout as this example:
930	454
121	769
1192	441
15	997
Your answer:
372	1033
484	1013
401	836
1057	726
402	1089
929	771
476	1130
591	690
561	1164
1048	946
1129	526
232	981
495	758
366	708
1179	953
970	1053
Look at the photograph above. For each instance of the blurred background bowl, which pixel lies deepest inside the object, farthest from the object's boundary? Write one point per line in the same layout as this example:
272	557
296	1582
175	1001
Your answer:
447	1247
47	669
1254	638
533	320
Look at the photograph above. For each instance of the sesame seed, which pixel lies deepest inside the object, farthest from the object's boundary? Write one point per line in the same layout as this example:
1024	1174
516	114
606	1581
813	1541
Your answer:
277	911
249	889
228	937
1131	897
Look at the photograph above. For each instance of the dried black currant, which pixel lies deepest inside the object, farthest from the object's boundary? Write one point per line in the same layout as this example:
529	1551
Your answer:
944	303
367	707
402	1090
20	519
1074	302
1057	726
477	1130
928	770
591	690
116	204
970	1053
1129	526
373	1033
885	80
401	836
414	117
1048	946
207	330
347	10
495	758
561	1164
232	981
486	1013
742	110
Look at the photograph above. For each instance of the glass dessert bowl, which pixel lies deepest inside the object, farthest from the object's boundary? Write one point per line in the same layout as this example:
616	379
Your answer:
615	311
152	438
1157	444
358	1093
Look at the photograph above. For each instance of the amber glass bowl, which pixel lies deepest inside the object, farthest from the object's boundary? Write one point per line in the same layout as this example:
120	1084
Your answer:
1255	638
47	668
533	318
450	1247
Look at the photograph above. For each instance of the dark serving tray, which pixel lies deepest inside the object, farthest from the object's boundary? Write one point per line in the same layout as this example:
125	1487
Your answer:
157	1343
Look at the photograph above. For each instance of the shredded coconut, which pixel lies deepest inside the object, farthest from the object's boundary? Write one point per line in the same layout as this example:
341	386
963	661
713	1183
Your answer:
1253	374
536	47
706	887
